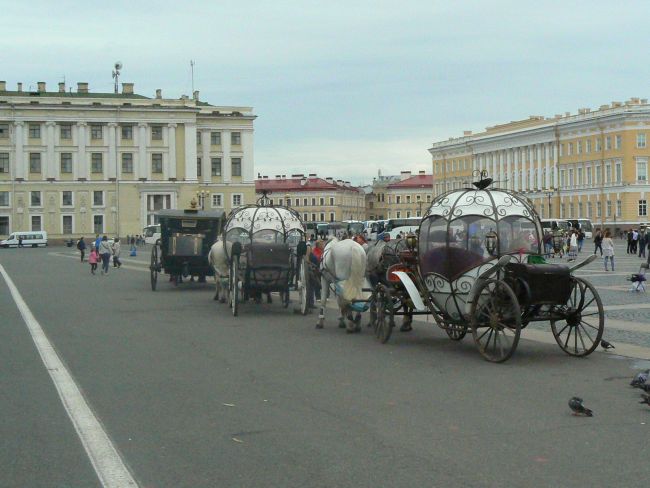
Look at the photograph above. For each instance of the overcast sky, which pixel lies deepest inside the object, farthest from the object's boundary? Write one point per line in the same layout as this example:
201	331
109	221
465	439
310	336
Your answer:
344	89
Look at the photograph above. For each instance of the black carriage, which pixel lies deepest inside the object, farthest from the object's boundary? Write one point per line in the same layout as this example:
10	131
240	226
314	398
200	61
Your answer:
265	248
185	240
478	266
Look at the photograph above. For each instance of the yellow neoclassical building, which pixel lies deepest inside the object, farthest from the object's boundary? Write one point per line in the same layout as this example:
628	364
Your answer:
79	163
590	164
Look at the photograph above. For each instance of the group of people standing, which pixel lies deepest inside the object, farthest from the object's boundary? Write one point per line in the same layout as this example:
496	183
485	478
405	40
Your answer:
101	250
637	241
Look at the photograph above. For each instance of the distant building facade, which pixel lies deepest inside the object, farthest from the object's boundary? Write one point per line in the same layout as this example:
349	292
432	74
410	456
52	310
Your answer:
316	199
74	163
400	196
593	164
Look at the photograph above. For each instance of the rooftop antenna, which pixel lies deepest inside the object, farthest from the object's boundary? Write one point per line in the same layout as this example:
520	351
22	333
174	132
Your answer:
192	72
116	73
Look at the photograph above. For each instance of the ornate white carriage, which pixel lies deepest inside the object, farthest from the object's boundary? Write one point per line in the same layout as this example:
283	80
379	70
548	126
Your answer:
263	244
479	266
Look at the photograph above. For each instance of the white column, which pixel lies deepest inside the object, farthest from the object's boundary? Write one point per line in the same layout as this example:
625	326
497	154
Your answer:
143	165
509	183
82	158
19	158
190	152
206	166
539	166
547	150
171	144
493	172
248	161
555	165
111	168
226	169
50	166
531	165
515	160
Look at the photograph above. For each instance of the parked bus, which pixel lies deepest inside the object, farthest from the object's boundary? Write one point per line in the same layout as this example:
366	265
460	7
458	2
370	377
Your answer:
26	238
151	234
354	226
555	224
584	225
402	226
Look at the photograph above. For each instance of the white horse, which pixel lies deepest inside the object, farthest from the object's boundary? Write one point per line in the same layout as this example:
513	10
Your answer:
343	266
218	261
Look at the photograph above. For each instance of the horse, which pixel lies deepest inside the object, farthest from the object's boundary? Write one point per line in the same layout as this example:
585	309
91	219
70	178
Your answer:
343	266
381	256
218	261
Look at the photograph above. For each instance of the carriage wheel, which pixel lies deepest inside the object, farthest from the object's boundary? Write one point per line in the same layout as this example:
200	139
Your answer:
234	287
496	320
581	329
456	332
303	288
153	267
384	319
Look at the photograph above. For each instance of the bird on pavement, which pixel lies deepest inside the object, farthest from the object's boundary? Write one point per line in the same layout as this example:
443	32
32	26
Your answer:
575	404
606	345
640	378
646	399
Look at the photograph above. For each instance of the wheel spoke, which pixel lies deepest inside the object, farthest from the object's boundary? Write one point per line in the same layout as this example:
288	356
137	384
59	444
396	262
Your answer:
488	329
567	338
589	325
586	332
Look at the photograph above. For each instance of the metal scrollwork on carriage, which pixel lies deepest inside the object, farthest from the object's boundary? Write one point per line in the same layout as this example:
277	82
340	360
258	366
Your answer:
264	245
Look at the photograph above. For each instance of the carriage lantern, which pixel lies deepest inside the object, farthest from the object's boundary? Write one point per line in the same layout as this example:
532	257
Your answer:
411	241
491	242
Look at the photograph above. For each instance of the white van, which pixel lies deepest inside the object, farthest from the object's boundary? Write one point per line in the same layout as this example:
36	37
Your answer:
29	239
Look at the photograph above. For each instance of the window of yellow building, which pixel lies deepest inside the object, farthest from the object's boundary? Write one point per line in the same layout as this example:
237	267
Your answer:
618	142
587	146
640	140
608	143
599	144
578	147
570	149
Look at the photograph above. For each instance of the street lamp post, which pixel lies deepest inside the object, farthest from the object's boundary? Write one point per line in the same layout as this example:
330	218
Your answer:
549	193
201	195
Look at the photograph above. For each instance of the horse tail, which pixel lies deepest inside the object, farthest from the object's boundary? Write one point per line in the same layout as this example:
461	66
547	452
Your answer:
351	289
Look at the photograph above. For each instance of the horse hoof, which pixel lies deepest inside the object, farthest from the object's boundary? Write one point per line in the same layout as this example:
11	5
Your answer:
350	331
341	325
406	328
319	326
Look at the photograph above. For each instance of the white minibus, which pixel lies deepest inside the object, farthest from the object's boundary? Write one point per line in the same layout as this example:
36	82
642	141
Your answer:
25	239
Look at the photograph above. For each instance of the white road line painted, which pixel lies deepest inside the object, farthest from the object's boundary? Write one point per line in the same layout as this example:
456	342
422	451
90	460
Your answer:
109	466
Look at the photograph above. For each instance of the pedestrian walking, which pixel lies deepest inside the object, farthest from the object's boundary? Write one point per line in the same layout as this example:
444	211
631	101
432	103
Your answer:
573	246
93	257
598	242
104	251
81	245
98	241
20	241
116	248
635	241
608	249
643	239
581	239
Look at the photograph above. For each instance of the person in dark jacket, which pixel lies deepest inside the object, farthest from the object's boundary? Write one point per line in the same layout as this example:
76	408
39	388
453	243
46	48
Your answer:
81	245
643	239
598	242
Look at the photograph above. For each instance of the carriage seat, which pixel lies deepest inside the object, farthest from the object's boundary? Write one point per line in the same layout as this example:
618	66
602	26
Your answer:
546	283
449	261
268	255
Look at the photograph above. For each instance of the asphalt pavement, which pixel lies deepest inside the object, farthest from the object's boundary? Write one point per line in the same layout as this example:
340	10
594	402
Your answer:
193	397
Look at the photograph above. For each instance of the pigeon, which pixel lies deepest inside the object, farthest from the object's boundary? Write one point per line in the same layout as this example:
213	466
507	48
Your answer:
640	378
645	387
606	345
646	399
575	404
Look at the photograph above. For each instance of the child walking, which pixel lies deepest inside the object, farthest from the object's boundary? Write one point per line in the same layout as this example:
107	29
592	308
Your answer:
92	259
608	249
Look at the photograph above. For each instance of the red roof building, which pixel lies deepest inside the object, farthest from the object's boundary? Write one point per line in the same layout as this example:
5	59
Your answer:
316	199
